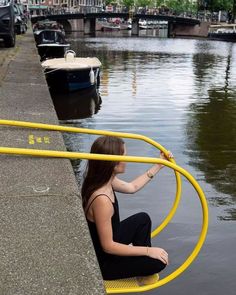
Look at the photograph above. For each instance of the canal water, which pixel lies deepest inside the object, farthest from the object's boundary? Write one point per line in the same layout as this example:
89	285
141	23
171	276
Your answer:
182	94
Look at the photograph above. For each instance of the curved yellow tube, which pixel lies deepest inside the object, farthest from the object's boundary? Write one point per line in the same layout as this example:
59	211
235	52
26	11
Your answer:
110	133
73	155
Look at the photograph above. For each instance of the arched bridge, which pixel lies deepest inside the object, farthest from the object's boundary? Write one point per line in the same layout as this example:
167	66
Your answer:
90	19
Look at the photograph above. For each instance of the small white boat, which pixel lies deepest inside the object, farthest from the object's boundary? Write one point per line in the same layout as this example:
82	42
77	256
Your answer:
72	73
143	25
105	26
223	32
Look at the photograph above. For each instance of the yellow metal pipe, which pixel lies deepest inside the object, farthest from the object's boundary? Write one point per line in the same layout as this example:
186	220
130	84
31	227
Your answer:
73	155
109	133
82	130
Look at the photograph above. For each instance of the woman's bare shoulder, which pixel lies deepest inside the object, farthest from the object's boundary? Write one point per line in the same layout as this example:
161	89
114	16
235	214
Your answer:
98	198
101	197
100	205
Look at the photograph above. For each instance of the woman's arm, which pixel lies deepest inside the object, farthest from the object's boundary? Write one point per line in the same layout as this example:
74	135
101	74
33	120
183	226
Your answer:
102	214
136	184
139	182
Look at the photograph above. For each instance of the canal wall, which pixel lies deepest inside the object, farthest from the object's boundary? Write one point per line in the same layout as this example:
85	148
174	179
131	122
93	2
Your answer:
199	31
45	244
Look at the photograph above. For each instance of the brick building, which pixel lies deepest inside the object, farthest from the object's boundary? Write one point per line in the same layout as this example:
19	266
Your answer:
39	7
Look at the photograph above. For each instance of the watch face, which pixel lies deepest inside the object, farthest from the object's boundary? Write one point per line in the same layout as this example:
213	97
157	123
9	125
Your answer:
149	174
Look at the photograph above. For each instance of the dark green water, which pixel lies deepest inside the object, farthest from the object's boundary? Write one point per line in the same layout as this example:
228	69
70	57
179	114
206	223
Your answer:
182	94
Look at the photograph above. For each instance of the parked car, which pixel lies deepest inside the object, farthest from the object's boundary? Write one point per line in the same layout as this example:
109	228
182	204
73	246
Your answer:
20	19
7	22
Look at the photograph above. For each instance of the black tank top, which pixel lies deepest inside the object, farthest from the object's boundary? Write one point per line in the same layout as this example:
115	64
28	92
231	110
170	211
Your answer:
115	221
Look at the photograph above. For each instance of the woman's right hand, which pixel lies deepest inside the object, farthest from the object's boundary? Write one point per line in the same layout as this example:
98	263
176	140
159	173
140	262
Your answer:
158	253
168	157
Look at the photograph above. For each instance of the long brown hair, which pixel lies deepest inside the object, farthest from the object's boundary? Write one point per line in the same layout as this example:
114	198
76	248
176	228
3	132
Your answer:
98	172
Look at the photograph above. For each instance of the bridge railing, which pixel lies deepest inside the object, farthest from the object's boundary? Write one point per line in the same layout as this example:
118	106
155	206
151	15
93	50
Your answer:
125	15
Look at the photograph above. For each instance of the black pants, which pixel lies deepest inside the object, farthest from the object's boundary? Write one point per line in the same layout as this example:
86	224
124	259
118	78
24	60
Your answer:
136	229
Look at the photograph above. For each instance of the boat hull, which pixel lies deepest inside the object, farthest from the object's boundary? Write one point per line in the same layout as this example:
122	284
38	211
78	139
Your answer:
229	37
107	27
73	80
110	29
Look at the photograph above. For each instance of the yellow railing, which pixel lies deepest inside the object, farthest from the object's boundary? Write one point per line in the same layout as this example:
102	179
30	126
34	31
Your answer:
171	164
108	133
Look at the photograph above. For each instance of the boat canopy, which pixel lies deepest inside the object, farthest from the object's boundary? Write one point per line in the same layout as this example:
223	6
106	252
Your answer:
49	36
226	28
79	63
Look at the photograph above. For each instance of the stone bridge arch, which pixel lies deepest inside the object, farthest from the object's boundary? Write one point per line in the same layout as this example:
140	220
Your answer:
66	25
72	25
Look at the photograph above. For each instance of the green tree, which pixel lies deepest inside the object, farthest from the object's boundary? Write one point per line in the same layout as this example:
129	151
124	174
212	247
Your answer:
144	3
216	5
181	5
108	2
128	3
158	3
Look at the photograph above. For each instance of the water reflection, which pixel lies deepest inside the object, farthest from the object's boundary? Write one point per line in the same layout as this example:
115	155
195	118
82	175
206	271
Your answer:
211	128
227	71
211	132
180	87
77	105
203	63
182	94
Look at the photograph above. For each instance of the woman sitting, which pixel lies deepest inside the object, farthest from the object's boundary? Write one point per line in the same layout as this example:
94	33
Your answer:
123	248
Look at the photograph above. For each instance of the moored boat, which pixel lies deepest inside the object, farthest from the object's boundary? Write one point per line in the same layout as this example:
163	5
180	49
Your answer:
106	26
126	25
51	43
72	73
50	39
48	25
143	25
110	27
223	32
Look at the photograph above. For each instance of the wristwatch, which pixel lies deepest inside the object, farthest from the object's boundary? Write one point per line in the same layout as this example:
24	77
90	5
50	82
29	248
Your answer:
149	174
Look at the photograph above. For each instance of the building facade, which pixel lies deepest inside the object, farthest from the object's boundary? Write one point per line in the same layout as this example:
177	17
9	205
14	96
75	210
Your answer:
40	7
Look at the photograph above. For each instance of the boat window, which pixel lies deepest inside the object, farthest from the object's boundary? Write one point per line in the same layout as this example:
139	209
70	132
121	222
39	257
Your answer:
48	36
16	10
4	2
52	37
59	38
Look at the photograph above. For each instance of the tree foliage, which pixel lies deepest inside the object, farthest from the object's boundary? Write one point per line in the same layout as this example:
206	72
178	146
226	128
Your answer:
108	2
128	3
181	5
143	3
216	5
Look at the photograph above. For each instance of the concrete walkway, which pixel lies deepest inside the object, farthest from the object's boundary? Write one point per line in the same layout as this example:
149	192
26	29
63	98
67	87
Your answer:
45	246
